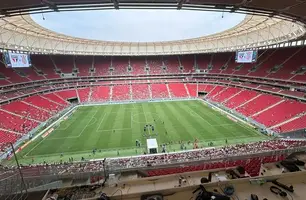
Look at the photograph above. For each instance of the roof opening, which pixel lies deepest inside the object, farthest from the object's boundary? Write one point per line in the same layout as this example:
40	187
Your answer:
138	25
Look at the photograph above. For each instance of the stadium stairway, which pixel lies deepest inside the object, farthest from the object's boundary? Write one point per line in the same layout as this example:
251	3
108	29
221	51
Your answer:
289	120
20	116
150	90
111	93
231	97
187	91
52	100
168	90
38	107
90	94
248	101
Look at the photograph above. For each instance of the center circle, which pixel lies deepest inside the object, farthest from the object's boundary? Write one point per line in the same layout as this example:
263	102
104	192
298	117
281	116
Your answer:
142	118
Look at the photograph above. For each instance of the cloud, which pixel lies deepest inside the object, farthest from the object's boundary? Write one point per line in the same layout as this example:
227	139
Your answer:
138	25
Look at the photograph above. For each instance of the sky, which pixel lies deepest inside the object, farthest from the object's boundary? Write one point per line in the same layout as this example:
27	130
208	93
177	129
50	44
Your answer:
138	25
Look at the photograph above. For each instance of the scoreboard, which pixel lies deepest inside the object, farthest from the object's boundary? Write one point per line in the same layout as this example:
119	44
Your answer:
249	56
16	60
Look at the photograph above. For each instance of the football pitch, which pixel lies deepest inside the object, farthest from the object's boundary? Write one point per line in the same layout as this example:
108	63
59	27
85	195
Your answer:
112	130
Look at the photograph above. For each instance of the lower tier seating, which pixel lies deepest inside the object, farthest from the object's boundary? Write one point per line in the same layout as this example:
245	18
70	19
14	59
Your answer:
16	123
177	90
121	92
281	112
39	101
100	93
225	94
27	110
83	94
67	94
192	88
240	98
140	91
7	137
258	104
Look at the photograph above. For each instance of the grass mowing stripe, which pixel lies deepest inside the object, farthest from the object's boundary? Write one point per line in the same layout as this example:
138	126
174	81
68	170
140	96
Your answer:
182	120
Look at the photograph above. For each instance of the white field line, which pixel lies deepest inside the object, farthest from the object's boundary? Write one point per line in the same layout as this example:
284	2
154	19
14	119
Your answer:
243	124
191	111
132	147
145	118
88	124
34	147
98	129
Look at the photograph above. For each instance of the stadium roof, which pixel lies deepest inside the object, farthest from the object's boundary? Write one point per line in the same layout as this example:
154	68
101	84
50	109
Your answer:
267	23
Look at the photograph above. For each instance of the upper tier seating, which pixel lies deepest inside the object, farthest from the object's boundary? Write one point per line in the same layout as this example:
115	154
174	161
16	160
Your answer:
120	65
290	60
4	81
84	64
138	66
102	65
155	64
276	57
11	75
203	61
65	64
188	63
218	61
172	64
293	64
30	73
45	65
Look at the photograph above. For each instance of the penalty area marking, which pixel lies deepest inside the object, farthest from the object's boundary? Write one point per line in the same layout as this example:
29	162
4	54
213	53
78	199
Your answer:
46	138
98	130
156	117
191	112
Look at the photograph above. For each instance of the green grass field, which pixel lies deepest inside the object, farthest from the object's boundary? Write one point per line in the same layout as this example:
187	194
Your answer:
114	129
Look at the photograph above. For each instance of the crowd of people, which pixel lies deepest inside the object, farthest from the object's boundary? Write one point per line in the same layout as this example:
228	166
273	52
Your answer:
153	159
204	154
